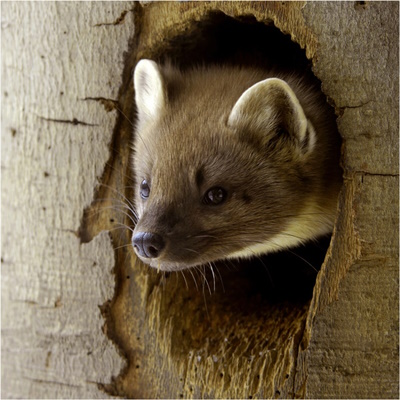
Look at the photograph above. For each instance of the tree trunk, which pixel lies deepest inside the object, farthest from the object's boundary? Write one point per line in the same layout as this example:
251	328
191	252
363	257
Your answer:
55	143
185	335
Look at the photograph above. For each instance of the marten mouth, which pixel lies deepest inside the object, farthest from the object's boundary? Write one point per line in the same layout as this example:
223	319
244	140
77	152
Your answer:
171	266
161	264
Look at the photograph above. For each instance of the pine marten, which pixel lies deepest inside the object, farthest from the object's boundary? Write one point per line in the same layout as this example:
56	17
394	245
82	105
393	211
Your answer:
230	162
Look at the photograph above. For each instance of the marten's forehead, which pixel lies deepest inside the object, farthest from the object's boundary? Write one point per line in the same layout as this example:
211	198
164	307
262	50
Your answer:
179	151
201	166
184	153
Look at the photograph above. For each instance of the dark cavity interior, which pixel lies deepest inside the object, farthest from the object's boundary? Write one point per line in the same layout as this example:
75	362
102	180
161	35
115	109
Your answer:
224	40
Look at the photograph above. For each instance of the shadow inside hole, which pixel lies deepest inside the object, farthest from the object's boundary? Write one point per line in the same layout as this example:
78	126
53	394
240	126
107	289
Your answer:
250	285
220	39
285	276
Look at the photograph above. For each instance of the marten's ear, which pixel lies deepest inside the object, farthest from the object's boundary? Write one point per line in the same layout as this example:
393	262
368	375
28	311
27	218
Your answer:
149	90
270	110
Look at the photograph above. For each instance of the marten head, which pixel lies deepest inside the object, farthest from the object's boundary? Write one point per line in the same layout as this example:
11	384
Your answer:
225	166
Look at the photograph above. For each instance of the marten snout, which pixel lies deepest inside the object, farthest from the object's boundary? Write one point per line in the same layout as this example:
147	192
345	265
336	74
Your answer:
147	244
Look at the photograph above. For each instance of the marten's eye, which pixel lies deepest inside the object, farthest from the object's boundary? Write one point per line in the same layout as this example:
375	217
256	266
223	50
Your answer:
214	196
144	189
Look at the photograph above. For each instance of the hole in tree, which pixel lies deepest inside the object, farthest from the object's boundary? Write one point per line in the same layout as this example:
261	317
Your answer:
259	302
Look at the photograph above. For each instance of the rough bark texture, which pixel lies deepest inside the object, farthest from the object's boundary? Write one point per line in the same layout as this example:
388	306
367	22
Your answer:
54	145
178	340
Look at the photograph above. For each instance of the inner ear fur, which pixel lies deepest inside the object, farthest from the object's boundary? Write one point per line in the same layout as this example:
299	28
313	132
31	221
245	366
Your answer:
150	94
270	108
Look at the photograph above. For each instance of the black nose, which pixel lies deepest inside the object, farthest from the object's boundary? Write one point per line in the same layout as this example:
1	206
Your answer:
148	244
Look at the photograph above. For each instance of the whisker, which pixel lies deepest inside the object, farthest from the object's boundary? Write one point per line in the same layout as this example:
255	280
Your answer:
184	278
191	250
220	278
303	259
117	228
266	269
213	274
119	193
194	279
205	281
115	209
123	226
133	126
129	177
123	114
113	200
120	203
120	247
204	293
202	236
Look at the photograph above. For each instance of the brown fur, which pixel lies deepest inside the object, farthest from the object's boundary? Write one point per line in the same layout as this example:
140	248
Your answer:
189	147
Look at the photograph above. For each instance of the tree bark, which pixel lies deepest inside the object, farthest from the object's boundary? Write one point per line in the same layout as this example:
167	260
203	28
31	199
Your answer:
55	142
180	337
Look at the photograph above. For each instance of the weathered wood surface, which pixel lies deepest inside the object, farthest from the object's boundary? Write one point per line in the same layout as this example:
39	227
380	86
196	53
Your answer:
54	145
179	342
352	328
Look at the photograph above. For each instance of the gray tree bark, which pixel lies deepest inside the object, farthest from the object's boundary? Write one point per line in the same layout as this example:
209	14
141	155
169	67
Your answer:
54	145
